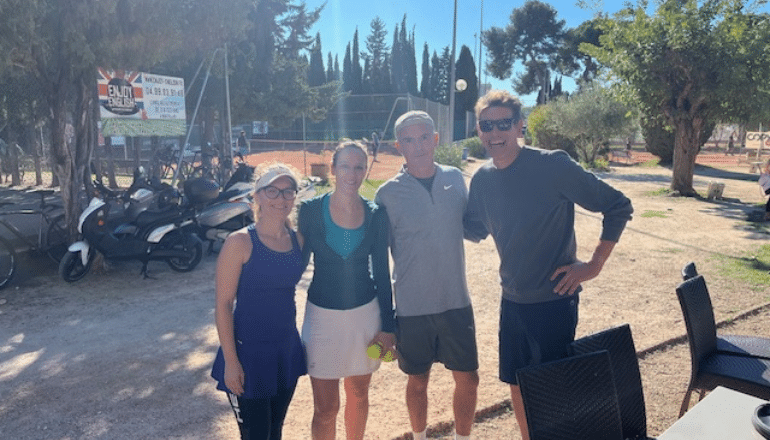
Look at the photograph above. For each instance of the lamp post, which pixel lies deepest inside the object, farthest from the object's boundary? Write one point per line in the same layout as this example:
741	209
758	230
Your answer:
481	48
452	79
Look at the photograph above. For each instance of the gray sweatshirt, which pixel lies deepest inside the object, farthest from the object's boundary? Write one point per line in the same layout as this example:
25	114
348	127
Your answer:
426	238
529	209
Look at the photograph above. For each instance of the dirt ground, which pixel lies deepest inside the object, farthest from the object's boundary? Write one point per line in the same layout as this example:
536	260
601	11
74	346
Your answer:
118	356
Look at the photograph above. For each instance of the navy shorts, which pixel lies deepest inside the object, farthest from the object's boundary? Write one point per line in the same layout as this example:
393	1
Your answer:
531	334
448	337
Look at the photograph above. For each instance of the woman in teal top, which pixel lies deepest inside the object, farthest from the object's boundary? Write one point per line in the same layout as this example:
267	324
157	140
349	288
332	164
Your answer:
349	304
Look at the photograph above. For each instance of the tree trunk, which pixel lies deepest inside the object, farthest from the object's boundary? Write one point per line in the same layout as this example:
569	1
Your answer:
13	157
686	139
36	150
110	162
60	151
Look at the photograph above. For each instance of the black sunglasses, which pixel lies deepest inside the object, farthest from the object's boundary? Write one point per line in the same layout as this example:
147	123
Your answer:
502	124
272	192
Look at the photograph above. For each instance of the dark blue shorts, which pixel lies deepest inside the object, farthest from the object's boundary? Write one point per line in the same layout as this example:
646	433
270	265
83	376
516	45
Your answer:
531	334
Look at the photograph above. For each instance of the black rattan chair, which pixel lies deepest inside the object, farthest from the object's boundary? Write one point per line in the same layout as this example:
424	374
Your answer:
710	367
572	398
741	345
625	368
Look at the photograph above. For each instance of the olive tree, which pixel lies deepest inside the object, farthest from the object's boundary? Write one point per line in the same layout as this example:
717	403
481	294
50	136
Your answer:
692	63
590	119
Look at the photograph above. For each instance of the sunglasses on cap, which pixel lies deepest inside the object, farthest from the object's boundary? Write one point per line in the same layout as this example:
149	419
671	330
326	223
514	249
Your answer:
502	124
272	192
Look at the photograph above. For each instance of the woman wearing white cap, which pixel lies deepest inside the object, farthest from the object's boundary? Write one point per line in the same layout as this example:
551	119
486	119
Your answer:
261	355
349	304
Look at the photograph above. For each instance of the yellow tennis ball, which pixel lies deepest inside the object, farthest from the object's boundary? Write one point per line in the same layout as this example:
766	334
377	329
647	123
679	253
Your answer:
389	357
374	351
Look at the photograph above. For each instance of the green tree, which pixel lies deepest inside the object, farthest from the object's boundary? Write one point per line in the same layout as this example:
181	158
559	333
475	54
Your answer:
60	44
590	119
465	69
545	134
572	59
411	62
425	83
316	75
403	64
347	71
534	38
376	57
693	63
330	74
357	73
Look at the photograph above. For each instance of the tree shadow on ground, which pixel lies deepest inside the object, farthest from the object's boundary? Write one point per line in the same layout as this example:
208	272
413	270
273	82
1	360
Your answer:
707	171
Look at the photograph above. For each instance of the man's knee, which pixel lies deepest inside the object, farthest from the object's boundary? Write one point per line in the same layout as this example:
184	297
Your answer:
418	383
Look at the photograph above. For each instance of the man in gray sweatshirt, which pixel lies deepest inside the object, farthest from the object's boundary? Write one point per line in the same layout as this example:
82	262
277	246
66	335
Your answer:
525	198
425	203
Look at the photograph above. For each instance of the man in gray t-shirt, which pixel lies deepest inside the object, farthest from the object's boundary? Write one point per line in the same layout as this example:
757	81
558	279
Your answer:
425	203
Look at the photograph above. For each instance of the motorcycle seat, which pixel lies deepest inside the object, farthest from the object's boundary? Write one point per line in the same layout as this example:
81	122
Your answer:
149	217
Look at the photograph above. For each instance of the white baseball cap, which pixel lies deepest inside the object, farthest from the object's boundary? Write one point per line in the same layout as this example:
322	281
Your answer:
272	173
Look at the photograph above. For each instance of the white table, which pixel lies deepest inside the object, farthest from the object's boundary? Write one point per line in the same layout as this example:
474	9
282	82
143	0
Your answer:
724	414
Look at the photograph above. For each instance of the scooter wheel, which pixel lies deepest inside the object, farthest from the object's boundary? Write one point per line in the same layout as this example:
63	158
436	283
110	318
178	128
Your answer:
71	267
189	243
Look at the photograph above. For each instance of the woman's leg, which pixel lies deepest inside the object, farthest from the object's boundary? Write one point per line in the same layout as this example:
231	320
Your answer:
356	405
279	406
326	402
253	417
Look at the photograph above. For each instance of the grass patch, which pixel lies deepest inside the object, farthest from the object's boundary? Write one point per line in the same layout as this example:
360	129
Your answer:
658	192
652	163
752	269
367	190
651	214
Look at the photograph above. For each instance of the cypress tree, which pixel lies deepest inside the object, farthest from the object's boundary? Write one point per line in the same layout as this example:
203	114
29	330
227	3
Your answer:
425	83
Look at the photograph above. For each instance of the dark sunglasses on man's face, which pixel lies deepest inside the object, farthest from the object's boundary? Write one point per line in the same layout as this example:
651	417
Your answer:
502	124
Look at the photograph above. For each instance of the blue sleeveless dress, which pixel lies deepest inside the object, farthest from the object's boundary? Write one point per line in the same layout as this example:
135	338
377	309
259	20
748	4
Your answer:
267	342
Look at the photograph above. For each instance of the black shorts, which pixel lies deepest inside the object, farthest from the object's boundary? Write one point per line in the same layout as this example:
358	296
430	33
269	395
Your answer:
531	334
448	337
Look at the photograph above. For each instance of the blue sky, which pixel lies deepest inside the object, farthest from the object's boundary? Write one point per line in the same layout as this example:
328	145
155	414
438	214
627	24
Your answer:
432	21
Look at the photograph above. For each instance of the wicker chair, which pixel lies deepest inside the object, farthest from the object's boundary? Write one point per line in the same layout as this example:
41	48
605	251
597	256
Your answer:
710	367
572	398
741	345
619	342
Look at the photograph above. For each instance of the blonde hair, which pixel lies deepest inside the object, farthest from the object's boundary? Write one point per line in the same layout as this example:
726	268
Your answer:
279	169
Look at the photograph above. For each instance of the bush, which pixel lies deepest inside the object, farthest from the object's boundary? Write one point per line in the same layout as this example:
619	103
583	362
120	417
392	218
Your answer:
658	140
450	155
545	135
475	147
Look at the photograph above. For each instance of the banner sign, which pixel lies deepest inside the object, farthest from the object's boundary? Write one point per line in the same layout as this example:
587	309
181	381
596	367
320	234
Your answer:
141	104
758	139
259	127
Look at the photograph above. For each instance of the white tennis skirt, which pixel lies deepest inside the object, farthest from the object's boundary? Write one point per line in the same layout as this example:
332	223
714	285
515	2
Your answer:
336	340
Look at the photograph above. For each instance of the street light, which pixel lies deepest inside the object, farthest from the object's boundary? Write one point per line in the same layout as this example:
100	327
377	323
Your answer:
452	79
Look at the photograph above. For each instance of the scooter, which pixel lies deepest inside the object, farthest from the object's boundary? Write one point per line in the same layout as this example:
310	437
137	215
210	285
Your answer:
230	211
122	227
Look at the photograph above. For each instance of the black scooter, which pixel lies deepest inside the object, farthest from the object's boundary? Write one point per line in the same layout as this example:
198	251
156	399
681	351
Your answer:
124	227
230	211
